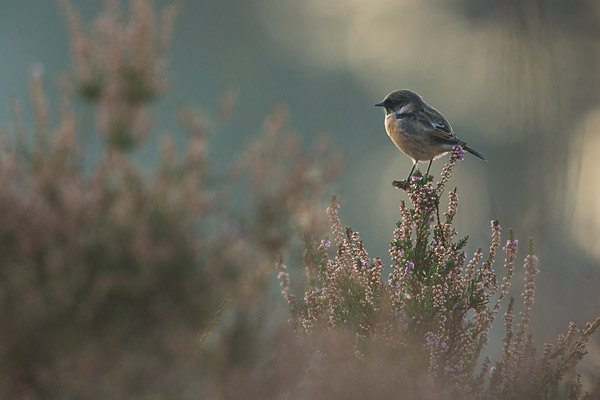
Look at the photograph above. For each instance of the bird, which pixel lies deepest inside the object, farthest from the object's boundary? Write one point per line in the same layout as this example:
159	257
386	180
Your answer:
419	130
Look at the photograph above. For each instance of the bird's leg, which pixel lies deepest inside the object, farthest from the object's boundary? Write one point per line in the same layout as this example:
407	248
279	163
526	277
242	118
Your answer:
404	184
429	166
412	169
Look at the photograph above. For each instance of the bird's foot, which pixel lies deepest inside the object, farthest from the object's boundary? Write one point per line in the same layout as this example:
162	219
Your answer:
416	177
401	184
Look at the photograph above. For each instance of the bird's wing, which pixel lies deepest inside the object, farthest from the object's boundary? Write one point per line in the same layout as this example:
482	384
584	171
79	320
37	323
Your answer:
437	126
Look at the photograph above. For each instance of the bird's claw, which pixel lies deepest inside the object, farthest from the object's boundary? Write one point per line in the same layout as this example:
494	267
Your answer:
401	184
416	177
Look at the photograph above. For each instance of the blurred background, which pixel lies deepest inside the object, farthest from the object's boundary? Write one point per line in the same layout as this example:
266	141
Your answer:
520	81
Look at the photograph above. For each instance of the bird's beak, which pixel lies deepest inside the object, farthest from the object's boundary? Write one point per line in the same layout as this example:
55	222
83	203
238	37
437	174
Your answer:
378	104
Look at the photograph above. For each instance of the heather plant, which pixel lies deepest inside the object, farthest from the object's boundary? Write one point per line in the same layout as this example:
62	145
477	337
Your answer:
115	275
436	309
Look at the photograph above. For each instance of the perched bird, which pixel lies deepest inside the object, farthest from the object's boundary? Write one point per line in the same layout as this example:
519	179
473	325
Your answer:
419	130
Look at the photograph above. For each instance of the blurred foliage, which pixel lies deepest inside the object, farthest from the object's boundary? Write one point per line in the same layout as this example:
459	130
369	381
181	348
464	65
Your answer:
114	276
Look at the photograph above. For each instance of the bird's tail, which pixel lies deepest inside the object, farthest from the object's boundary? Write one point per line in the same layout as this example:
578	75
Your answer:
474	152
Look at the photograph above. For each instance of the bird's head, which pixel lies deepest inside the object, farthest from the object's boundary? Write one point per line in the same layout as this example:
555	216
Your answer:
400	101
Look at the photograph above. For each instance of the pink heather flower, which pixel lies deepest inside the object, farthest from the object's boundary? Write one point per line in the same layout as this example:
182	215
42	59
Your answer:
459	152
453	368
430	338
511	247
333	211
531	262
325	243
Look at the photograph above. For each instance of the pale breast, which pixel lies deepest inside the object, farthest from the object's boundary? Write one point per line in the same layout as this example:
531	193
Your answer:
417	145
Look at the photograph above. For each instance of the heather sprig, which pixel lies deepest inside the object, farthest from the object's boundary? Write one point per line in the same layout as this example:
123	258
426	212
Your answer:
119	64
348	290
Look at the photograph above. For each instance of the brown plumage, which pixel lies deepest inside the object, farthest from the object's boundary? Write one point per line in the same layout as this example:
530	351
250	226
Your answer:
419	130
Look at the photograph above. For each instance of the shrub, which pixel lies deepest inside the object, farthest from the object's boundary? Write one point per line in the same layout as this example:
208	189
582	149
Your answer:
434	312
114	274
